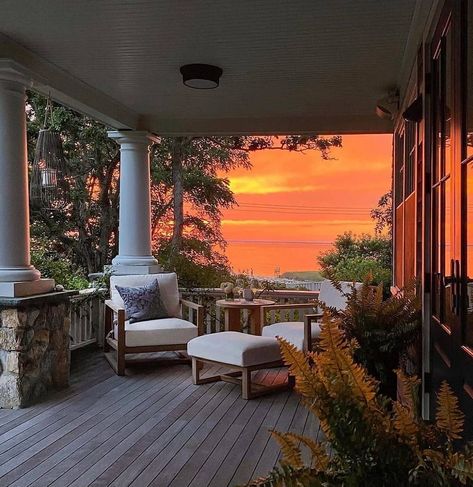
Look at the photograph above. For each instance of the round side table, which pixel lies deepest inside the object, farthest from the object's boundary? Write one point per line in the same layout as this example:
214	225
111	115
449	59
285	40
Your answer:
232	310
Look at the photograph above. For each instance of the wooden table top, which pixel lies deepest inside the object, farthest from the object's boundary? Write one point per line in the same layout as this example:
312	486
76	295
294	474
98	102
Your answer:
242	303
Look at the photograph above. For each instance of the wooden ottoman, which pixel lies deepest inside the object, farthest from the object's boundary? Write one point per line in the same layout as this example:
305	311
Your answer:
240	351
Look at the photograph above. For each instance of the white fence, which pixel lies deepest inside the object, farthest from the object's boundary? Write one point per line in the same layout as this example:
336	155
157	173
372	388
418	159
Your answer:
87	318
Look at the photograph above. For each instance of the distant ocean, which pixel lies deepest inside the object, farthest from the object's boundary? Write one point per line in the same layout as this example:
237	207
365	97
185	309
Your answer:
266	257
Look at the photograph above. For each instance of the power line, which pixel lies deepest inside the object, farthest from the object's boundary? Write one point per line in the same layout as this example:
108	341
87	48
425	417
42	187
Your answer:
273	205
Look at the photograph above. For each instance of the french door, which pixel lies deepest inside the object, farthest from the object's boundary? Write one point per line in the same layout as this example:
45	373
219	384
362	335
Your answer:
451	209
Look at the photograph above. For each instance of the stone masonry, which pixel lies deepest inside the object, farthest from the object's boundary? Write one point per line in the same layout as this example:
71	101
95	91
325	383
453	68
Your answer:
34	347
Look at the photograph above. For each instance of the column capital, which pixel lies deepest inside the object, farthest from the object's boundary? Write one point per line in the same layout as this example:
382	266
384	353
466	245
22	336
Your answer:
137	137
12	71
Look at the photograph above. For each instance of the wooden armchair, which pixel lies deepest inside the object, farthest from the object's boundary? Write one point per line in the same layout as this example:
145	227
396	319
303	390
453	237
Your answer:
304	332
301	333
161	335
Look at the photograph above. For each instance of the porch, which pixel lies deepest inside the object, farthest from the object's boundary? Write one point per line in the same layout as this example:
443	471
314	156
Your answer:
152	427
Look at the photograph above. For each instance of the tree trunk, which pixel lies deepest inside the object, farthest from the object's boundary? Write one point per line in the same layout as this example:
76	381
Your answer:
177	157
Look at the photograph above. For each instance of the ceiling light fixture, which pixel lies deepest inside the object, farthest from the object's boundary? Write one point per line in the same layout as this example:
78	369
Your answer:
201	76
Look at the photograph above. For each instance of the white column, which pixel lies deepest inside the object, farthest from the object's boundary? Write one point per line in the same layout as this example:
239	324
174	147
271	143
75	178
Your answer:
134	244
17	276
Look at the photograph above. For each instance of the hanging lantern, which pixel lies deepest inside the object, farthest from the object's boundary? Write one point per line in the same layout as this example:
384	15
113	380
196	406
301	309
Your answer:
49	186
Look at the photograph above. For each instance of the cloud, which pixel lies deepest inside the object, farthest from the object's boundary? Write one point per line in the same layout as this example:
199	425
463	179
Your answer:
269	184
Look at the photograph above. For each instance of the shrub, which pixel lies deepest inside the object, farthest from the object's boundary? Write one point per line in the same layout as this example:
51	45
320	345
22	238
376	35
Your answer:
55	266
384	329
354	256
375	441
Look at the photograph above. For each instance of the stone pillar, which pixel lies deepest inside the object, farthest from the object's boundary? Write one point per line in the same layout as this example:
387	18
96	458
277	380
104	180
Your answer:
134	245
34	347
17	276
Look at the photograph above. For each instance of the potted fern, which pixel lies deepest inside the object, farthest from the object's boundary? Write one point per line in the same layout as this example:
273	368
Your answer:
374	441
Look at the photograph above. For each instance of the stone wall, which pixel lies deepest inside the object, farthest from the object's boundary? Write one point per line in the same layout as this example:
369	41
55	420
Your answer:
34	347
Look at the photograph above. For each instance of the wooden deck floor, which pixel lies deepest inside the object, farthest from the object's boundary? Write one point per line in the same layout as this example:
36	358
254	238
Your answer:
152	427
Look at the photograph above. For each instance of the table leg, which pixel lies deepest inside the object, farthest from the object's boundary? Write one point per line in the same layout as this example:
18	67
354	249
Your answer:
232	319
255	321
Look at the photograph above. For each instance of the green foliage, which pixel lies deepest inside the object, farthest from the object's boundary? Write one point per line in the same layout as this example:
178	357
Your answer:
58	267
355	256
197	264
85	232
384	329
373	440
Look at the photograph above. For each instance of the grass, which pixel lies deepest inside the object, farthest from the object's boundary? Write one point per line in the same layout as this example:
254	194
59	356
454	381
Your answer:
304	275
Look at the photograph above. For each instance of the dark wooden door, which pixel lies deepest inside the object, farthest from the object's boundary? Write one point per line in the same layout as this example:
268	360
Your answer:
450	213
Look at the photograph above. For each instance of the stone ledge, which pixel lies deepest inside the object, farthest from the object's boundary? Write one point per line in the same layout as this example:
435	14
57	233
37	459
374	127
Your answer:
38	299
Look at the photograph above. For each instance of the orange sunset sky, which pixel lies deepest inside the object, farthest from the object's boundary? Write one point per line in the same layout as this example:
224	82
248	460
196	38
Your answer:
292	205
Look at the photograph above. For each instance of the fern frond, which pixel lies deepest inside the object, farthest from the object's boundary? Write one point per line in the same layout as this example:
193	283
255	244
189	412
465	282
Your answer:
461	467
289	448
449	418
405	424
320	459
307	383
287	476
337	359
408	389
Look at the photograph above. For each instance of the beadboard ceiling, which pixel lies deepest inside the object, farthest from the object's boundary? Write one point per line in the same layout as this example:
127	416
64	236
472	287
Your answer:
288	65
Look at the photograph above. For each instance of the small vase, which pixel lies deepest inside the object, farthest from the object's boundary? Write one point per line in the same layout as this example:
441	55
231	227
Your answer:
248	294
229	297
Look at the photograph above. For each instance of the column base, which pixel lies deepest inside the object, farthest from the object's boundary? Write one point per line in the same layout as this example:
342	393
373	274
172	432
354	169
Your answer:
134	265
127	270
22	289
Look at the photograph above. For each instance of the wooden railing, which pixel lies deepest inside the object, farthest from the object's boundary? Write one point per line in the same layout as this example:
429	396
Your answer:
87	318
214	319
87	312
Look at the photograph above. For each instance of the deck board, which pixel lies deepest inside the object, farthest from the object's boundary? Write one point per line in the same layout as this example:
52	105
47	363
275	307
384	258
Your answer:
150	428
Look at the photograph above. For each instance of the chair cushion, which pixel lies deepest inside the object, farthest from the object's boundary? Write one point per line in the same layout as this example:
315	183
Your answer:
235	348
143	303
167	286
167	331
292	331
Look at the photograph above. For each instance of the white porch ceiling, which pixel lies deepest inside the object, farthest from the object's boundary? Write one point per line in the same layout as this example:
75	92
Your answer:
288	65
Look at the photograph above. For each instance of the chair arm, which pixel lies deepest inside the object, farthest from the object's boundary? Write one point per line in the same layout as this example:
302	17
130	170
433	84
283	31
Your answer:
200	313
308	320
113	306
275	307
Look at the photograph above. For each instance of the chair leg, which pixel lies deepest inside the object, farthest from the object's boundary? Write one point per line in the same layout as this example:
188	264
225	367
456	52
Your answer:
246	384
196	366
120	362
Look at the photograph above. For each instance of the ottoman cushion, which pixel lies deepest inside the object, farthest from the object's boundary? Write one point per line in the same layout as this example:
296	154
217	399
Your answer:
292	331
235	348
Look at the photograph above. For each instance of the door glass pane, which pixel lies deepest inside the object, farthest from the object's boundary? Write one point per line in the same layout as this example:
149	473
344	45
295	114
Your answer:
436	253
467	174
469	255
446	257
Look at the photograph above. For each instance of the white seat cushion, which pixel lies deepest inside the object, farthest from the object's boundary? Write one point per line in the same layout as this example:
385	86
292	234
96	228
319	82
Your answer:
292	331
166	331
168	289
235	348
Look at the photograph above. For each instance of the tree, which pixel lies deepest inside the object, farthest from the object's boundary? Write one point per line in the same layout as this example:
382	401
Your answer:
383	214
198	193
353	257
85	231
187	188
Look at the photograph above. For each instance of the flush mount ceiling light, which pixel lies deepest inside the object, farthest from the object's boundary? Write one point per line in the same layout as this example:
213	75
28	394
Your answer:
201	76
